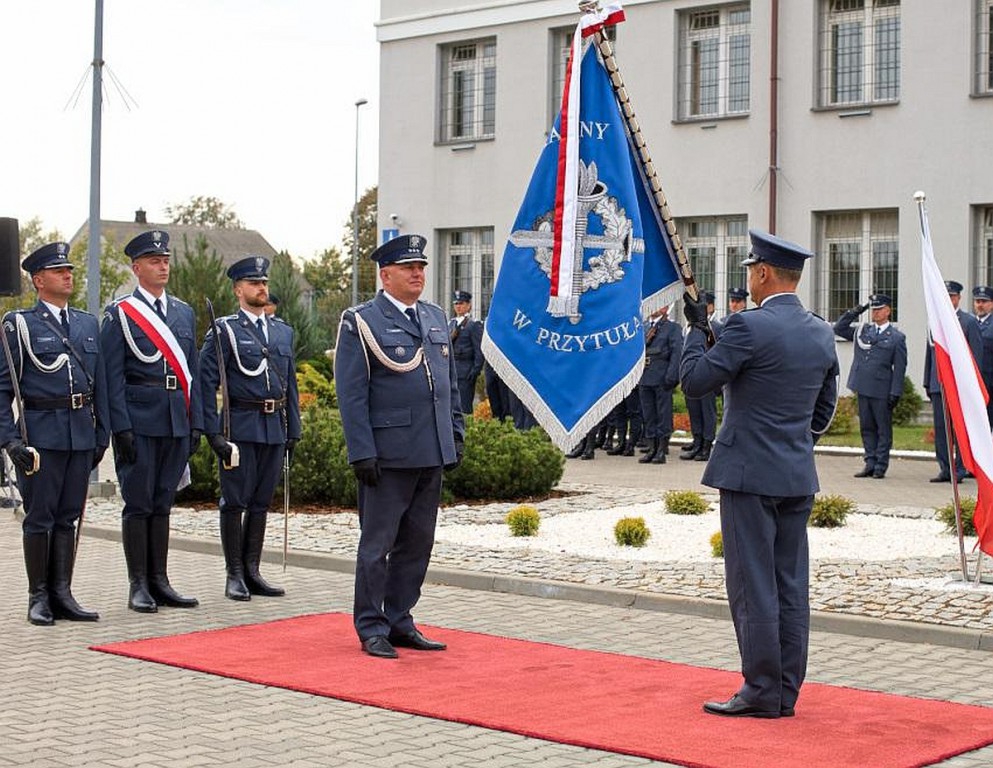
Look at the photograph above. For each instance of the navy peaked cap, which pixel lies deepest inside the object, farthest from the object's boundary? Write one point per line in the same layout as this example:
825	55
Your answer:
878	300
462	296
51	256
738	294
775	251
250	268
401	250
274	299
707	296
953	286
982	292
155	243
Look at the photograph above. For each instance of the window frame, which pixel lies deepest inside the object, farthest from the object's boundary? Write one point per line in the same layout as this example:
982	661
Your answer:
726	237
724	34
475	270
983	69
473	118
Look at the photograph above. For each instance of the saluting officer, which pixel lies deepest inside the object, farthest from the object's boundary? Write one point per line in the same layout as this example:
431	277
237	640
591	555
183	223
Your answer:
149	341
264	421
663	341
467	346
399	402
56	360
982	303
879	363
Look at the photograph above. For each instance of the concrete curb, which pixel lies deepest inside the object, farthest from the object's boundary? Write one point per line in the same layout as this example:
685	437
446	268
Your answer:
820	621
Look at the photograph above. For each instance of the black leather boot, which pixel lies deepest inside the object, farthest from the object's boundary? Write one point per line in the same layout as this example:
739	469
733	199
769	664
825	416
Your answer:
618	447
628	448
252	556
576	452
36	565
704	454
61	560
659	457
134	535
235	587
604	436
653	448
689	452
158	559
588	448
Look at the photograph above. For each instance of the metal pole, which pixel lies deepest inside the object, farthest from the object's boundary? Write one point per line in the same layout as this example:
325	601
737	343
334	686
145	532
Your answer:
93	247
355	211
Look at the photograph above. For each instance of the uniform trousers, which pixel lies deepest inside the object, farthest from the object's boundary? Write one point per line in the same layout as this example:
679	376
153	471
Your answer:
876	426
467	392
397	520
497	393
656	411
767	576
703	416
251	485
941	439
148	485
54	496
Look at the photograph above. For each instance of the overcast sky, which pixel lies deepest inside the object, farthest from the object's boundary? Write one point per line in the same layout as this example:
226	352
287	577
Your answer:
249	101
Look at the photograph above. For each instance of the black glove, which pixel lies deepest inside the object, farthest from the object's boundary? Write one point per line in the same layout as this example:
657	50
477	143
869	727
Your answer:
459	453
195	435
221	447
98	456
124	447
19	454
367	472
892	401
858	310
291	444
695	311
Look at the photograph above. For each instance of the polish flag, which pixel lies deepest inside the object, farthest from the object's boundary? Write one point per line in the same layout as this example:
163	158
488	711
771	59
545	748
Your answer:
962	385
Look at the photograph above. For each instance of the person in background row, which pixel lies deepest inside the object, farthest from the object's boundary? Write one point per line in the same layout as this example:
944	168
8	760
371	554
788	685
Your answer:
63	390
467	347
779	369
257	353
149	341
627	425
982	303
497	393
663	340
702	410
399	402
879	363
973	337
737	300
272	305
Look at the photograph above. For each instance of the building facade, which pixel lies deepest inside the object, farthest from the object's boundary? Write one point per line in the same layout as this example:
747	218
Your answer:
816	119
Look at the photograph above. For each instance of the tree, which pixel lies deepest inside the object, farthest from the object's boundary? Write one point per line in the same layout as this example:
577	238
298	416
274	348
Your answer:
115	271
367	215
200	275
330	276
284	281
204	211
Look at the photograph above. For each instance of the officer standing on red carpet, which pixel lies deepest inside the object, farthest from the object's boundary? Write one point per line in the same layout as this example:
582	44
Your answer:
399	401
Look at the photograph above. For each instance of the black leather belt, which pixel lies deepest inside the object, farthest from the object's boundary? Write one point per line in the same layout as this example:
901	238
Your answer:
264	406
74	402
169	381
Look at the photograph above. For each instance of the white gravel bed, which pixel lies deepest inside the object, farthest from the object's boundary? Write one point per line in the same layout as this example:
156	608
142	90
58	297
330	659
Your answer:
590	534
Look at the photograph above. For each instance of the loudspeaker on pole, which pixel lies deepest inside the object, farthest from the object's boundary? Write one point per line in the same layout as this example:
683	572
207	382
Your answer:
10	258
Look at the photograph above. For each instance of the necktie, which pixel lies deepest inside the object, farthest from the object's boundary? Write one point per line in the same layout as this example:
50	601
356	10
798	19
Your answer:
412	314
64	318
260	324
158	308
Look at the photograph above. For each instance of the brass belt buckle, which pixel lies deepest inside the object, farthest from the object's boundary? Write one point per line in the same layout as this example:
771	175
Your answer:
268	406
76	400
170	381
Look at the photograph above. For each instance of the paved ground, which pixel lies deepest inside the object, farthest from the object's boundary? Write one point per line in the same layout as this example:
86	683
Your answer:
65	705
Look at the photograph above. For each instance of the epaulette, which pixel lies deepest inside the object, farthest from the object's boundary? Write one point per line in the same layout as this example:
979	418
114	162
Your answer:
275	319
429	304
816	315
179	300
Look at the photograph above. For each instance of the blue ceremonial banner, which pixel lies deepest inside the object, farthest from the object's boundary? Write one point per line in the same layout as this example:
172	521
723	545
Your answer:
564	330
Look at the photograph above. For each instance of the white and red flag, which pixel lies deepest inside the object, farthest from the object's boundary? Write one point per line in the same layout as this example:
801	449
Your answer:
962	385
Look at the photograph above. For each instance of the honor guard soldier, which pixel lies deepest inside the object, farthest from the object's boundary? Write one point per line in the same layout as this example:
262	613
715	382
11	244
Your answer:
261	425
879	363
778	366
737	300
148	340
399	401
663	341
703	410
982	303
52	370
467	347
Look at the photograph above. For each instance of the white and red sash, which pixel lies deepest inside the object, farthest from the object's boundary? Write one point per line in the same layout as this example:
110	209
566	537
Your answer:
162	337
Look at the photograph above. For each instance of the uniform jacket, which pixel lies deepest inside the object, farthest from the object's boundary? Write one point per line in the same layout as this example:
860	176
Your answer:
406	420
468	349
973	337
662	355
277	382
778	366
879	361
139	400
986	333
57	429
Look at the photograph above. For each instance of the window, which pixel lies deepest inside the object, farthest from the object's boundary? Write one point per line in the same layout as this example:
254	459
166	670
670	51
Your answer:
714	59
468	91
983	217
860	52
862	256
561	46
715	248
467	261
984	46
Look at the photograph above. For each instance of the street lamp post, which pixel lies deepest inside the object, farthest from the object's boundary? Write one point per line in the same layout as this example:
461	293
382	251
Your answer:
355	211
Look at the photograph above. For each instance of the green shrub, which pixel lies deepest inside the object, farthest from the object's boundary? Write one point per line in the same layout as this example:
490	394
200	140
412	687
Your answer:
321	363
631	532
314	387
830	511
717	545
946	515
205	484
910	404
685	503
501	462
320	471
523	520
845	416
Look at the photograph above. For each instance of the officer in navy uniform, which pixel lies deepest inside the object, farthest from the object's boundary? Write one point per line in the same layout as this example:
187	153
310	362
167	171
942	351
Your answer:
498	394
879	363
264	422
663	341
155	415
778	366
982	303
737	300
467	346
399	403
272	305
973	337
57	362
702	410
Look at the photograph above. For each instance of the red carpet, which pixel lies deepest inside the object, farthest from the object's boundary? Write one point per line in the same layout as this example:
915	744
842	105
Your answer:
605	701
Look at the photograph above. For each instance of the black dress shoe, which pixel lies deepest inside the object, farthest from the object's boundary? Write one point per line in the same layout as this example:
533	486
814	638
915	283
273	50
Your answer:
738	707
878	475
379	647
786	712
866	472
941	479
414	639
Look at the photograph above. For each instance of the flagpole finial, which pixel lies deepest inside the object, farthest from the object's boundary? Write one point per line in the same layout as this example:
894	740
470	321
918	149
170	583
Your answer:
919	196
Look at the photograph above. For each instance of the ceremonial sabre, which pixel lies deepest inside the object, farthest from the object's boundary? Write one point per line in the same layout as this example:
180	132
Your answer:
286	504
645	157
16	385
